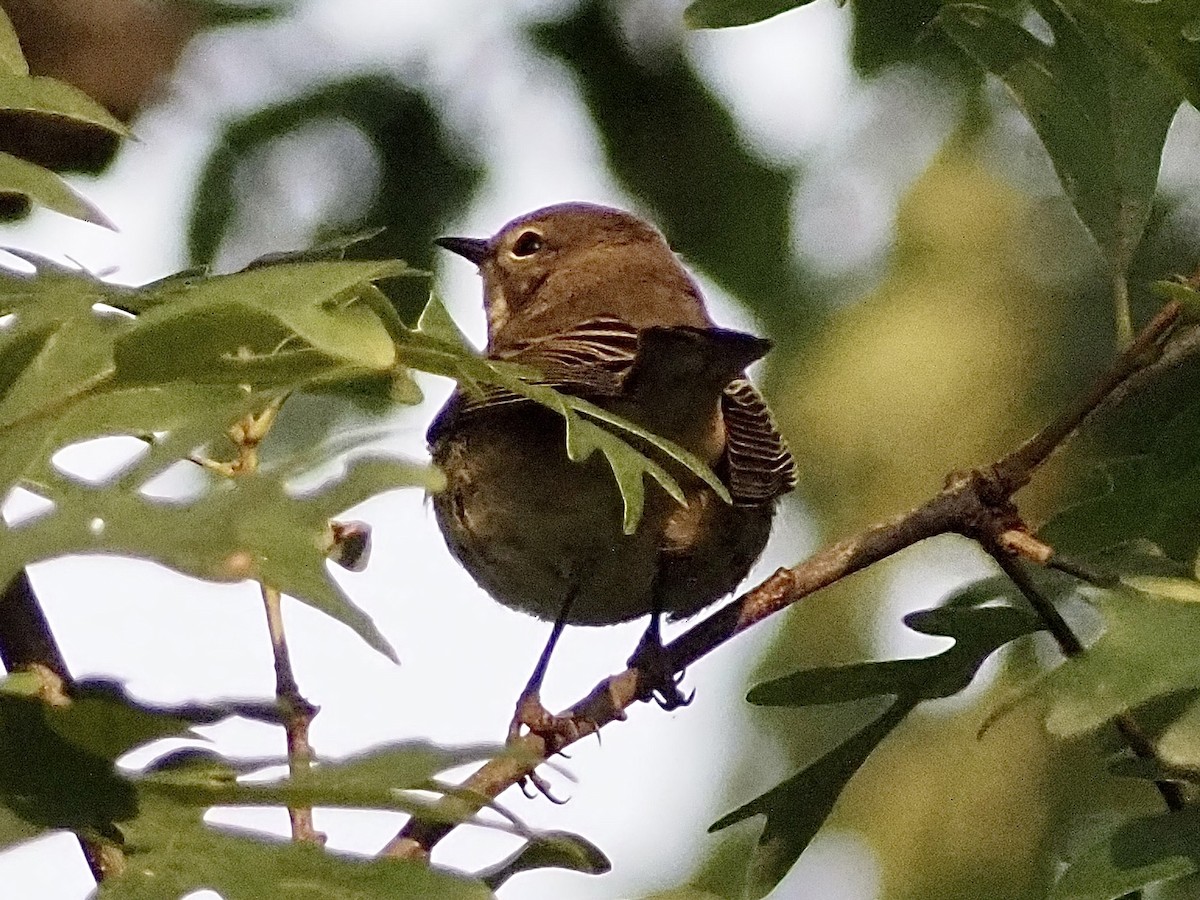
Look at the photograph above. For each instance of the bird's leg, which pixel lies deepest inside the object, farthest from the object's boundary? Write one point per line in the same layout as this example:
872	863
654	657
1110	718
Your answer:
554	730
656	680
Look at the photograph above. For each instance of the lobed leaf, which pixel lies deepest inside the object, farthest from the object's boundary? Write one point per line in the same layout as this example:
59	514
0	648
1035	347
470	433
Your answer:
1145	851
171	853
1098	105
796	808
23	183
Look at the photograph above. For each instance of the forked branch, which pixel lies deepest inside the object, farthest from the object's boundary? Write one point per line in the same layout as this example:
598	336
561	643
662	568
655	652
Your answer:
977	504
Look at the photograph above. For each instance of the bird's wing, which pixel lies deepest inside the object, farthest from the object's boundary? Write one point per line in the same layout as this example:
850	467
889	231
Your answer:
596	360
760	466
590	360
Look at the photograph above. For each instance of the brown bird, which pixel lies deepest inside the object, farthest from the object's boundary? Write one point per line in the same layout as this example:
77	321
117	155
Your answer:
595	300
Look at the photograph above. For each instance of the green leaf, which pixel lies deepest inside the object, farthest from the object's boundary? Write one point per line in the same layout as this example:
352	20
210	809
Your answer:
1099	106
171	852
47	780
250	527
1148	489
977	631
50	97
268	325
1182	292
377	779
23	183
796	808
1167	32
549	850
1145	851
425	176
1146	651
12	60
728	13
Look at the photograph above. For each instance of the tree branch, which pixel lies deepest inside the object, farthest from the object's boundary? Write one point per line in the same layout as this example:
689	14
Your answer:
977	504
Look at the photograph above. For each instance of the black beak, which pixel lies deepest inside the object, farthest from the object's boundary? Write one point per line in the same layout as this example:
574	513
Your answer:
474	249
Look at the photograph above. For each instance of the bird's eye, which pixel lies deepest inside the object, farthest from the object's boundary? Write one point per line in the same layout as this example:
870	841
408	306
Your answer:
529	243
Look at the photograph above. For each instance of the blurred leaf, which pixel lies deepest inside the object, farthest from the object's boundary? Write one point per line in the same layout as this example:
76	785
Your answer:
222	13
977	633
171	852
244	528
55	125
377	779
885	34
1147	650
425	178
682	893
23	183
1139	853
274	324
47	780
1150	487
1101	110
1185	294
727	13
12	60
796	808
671	142
549	850
1167	32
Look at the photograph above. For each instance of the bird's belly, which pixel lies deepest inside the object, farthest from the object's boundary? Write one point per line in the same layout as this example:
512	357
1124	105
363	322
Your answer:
534	528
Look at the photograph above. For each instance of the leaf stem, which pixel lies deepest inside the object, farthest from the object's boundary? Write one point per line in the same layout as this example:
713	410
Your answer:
1123	318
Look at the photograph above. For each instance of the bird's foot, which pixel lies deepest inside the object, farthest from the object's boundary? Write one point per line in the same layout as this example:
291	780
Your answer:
657	681
555	731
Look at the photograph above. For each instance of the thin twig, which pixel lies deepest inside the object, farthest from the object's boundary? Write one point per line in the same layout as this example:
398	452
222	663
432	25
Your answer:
298	714
976	504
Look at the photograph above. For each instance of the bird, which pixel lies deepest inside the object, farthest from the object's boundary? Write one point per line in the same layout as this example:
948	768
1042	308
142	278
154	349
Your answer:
596	302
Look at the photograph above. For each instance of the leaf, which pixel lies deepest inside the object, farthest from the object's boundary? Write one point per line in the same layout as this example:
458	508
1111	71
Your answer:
1147	650
245	528
1142	852
977	631
1100	108
1167	32
272	324
23	183
549	850
423	177
171	852
377	779
47	780
12	60
1148	489
728	13
796	808
48	96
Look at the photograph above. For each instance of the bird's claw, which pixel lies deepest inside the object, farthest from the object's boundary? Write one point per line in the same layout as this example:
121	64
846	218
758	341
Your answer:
555	731
656	680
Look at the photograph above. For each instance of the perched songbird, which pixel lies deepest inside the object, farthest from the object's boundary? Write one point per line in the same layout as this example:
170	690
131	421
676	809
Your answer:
595	300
